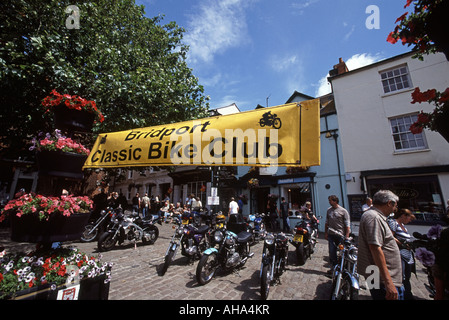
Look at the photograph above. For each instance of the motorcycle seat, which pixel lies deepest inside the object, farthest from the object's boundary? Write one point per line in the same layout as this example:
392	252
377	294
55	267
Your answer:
202	229
243	237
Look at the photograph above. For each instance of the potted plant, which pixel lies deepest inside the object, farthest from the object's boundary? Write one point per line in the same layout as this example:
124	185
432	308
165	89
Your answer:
48	274
41	219
58	155
73	113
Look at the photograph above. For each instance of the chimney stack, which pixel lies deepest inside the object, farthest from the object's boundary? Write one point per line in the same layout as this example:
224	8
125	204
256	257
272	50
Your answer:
339	68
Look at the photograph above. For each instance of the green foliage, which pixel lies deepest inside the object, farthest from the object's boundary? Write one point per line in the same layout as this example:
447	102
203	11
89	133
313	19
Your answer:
132	66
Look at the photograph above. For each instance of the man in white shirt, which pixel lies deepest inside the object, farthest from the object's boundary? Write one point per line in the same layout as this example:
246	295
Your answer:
233	208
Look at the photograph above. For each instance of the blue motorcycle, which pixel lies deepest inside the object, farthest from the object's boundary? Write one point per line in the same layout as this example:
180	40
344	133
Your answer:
257	226
233	251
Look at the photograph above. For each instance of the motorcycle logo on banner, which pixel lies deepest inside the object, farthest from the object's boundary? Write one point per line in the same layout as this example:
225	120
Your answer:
234	139
271	120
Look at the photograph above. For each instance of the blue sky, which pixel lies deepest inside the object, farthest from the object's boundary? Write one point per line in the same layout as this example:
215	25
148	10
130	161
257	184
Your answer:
244	51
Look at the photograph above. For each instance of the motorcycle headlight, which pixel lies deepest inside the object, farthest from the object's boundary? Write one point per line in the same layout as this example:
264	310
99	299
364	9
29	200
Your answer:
269	239
352	254
218	236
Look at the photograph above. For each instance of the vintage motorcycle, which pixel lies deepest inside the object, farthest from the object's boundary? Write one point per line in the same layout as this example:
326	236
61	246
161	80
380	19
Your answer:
274	261
132	228
191	238
306	232
94	228
256	225
345	279
228	251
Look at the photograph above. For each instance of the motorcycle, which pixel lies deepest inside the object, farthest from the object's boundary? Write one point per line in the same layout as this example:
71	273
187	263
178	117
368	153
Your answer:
93	228
434	246
132	228
228	251
345	279
304	240
256	225
274	261
269	119
192	239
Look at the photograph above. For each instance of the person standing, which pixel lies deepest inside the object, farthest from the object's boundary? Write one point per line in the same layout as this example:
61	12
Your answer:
368	204
273	211
337	227
136	203
401	235
284	214
377	247
145	205
233	210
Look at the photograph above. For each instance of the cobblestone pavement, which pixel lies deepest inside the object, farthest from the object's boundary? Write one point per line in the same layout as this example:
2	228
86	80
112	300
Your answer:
135	274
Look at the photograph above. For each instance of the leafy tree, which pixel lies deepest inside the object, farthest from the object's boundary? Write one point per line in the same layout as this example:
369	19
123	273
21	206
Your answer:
133	66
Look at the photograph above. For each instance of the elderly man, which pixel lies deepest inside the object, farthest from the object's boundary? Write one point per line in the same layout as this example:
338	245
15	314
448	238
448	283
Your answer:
378	252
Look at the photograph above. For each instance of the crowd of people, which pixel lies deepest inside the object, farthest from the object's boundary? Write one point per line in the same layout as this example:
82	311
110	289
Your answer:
147	206
382	234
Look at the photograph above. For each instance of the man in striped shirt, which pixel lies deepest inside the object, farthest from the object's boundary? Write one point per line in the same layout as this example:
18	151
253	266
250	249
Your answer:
378	252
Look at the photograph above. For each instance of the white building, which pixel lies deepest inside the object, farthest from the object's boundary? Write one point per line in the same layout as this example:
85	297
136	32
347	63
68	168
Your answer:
374	114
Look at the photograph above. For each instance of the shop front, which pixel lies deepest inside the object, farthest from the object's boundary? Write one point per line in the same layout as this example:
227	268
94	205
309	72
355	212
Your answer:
420	193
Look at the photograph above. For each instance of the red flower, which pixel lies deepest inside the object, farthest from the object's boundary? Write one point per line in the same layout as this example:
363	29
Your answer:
419	96
409	2
392	39
401	17
423	118
1	277
416	128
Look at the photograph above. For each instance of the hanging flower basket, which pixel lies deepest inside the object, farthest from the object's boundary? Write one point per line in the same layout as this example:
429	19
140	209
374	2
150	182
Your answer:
61	164
72	112
40	219
57	228
59	156
72	119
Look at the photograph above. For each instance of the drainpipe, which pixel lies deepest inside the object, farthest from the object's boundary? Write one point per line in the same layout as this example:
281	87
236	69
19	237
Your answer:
335	136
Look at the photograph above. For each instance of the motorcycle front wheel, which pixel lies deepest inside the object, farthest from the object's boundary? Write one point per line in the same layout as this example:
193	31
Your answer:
206	268
106	241
89	233
265	281
277	123
150	234
346	290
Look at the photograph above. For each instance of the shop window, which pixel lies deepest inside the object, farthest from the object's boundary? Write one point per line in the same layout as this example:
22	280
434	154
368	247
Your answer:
198	188
420	194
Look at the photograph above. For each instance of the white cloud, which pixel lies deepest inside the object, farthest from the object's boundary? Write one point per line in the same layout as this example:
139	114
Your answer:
361	60
303	5
354	62
218	26
283	63
291	70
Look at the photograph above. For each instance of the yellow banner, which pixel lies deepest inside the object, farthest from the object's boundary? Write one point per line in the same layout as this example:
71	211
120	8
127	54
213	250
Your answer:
286	135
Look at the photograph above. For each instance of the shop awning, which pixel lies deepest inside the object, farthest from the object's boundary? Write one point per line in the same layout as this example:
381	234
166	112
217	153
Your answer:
287	135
